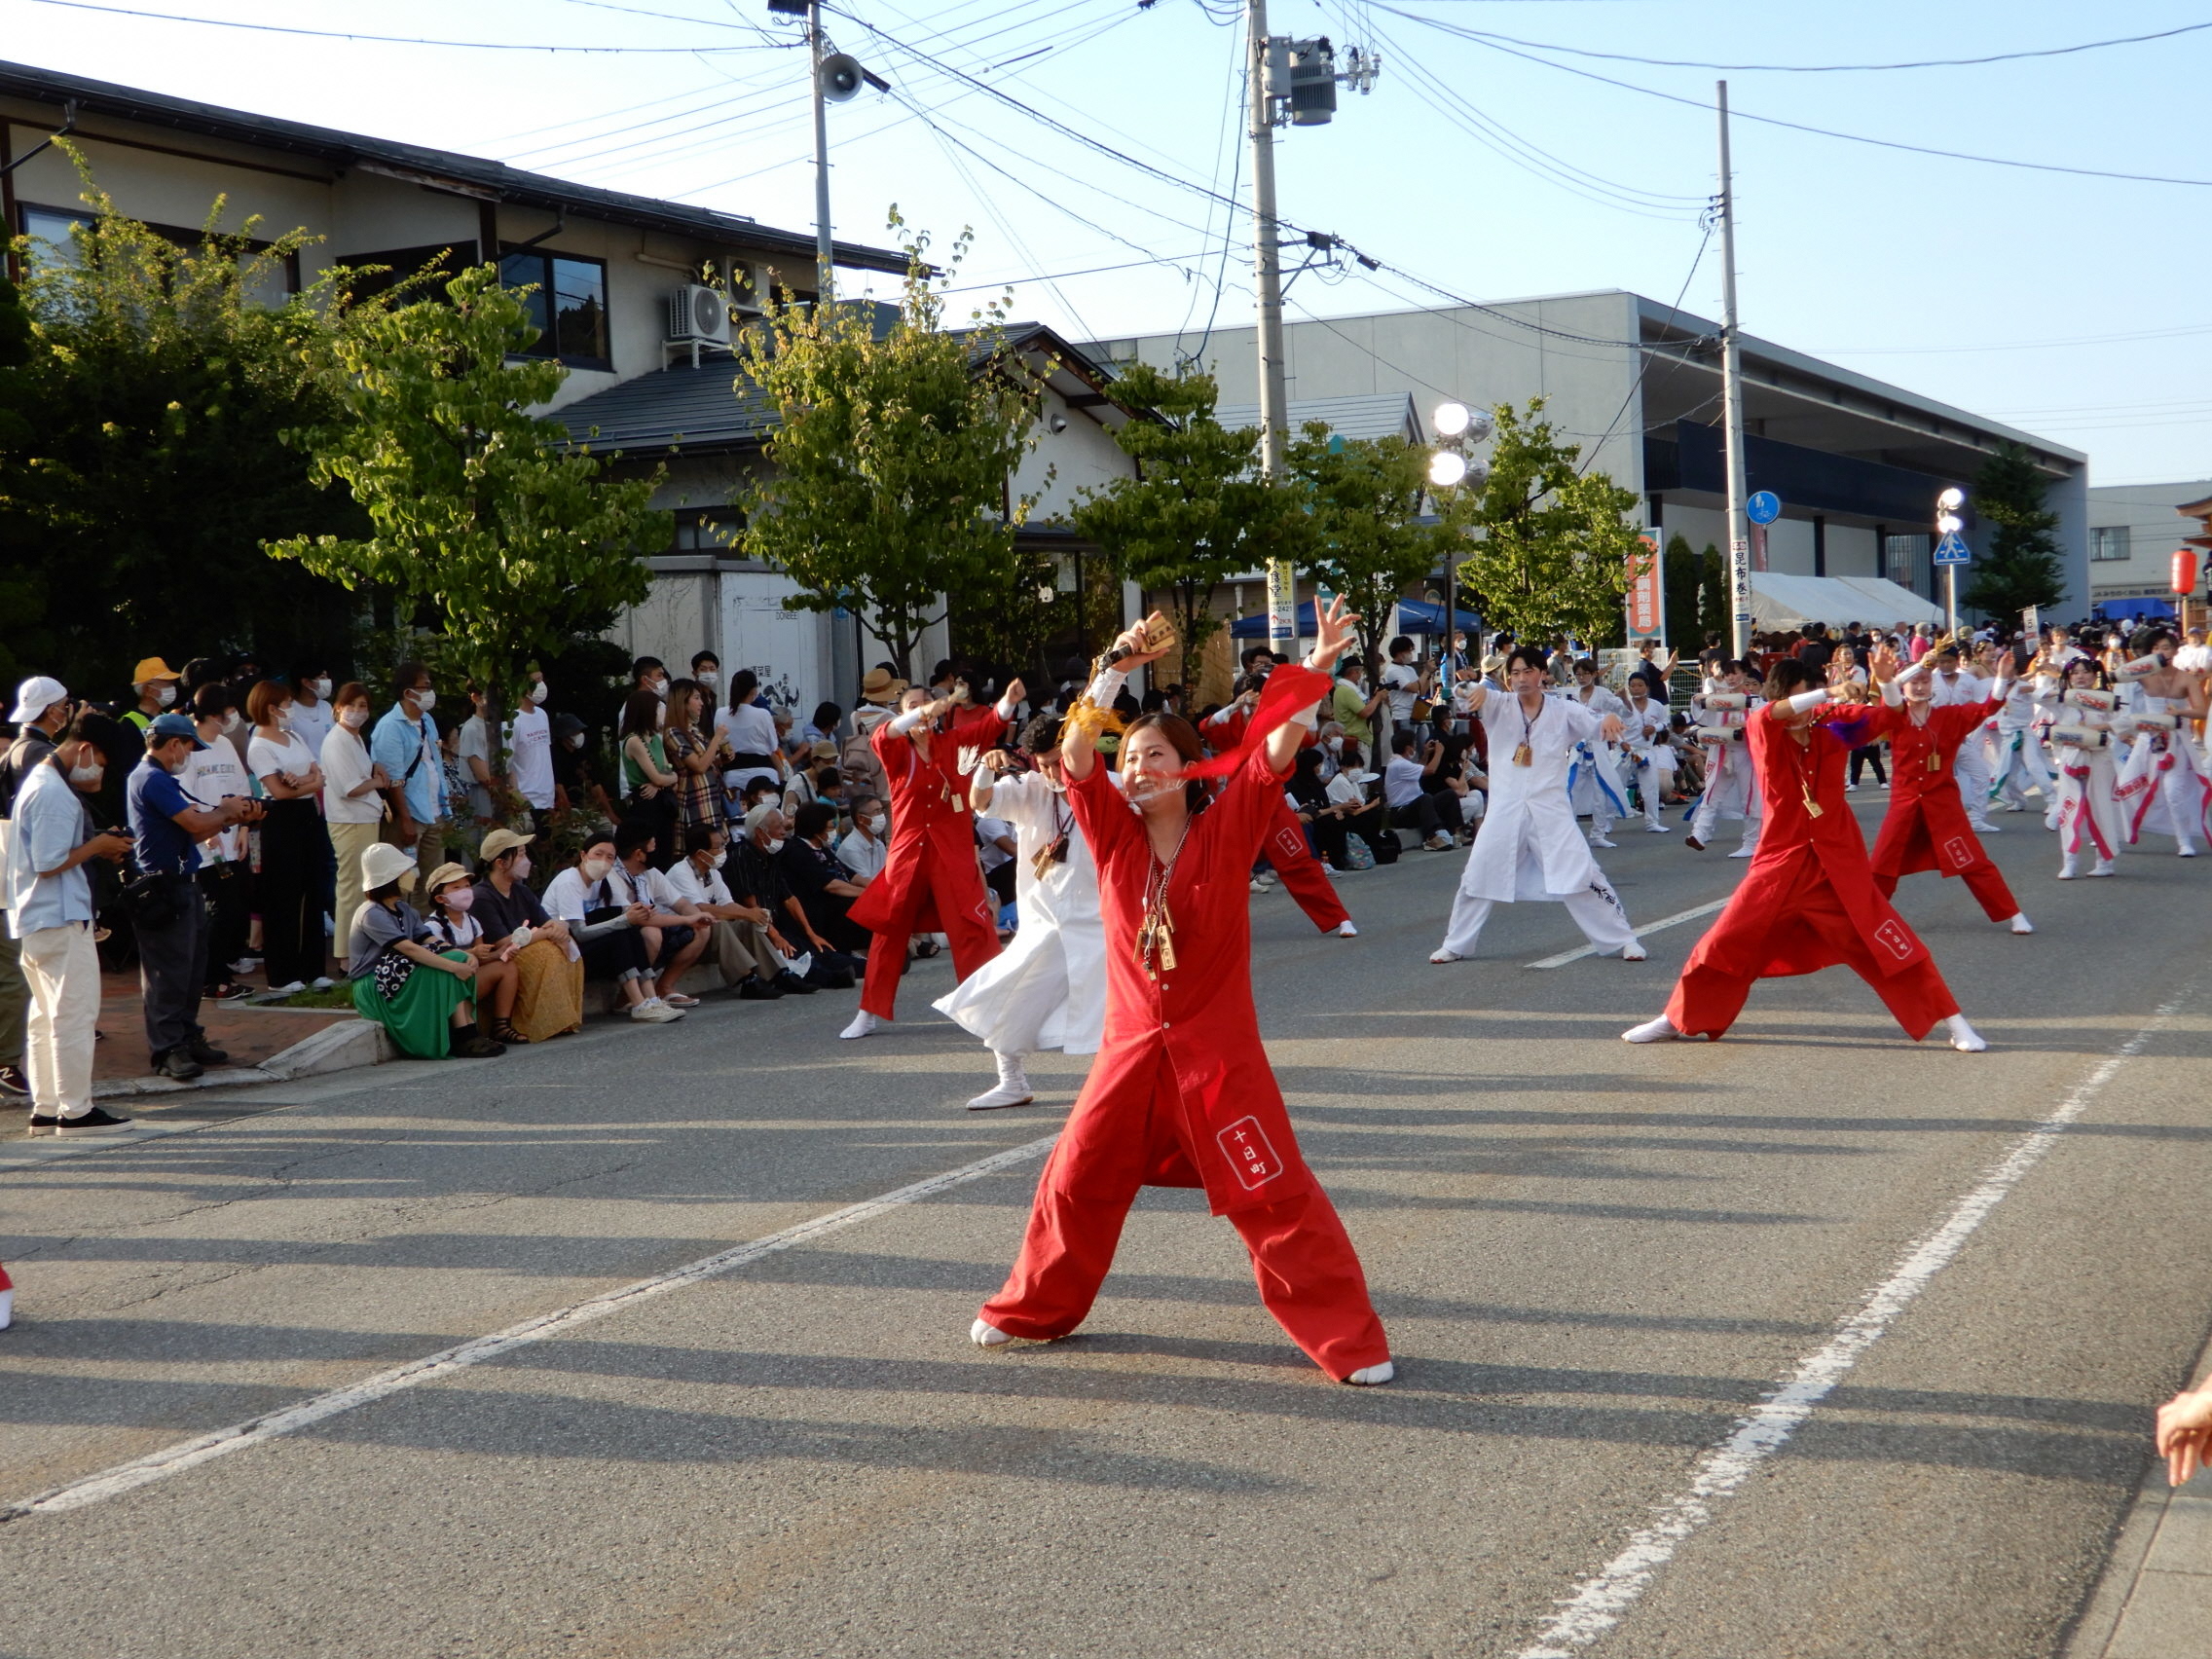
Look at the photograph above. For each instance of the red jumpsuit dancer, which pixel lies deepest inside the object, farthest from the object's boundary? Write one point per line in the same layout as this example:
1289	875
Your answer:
1181	1093
931	881
1927	825
1809	899
1303	876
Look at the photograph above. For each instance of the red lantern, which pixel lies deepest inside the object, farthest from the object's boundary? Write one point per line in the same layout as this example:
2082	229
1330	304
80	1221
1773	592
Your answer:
2185	570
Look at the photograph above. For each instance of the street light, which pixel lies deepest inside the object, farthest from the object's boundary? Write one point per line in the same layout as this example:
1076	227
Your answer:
1446	469
1449	467
1949	523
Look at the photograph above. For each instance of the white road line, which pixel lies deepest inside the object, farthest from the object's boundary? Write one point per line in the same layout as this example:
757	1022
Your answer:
1601	1599
201	1449
1674	920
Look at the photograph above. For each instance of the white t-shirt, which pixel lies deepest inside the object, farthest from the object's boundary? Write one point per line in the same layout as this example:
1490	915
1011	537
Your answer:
2195	659
312	722
1399	679
989	832
569	896
863	857
209	776
530	737
647	887
290	754
684	880
474	742
1402	781
346	764
752	731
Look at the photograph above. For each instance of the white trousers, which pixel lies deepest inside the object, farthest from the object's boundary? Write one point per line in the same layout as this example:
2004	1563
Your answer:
64	969
1973	772
1708	815
1594	909
2024	769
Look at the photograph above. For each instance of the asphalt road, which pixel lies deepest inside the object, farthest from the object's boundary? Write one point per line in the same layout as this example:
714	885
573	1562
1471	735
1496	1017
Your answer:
1593	1259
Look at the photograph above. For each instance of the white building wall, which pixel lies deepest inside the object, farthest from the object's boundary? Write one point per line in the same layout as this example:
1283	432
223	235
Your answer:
1852	550
2154	531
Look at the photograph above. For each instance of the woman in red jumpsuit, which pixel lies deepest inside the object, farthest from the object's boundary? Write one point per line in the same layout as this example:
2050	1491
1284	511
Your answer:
931	881
1809	899
1926	826
1181	1093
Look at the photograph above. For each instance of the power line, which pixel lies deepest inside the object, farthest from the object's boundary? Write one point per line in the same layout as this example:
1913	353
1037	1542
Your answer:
1479	39
1838	68
392	40
2014	346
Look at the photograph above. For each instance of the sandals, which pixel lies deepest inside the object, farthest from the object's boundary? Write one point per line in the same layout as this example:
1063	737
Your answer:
503	1031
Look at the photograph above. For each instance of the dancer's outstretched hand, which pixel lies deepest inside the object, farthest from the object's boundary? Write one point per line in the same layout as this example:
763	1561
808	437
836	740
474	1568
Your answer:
1137	642
1336	635
1884	664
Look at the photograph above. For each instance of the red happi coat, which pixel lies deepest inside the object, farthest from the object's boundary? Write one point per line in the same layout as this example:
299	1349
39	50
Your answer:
930	873
1794	838
1181	1080
1925	827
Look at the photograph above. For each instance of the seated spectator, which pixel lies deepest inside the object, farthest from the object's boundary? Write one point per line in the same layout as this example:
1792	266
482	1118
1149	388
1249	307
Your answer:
420	995
452	927
755	877
672	944
1333	810
549	969
608	929
824	890
758	791
868	845
806	780
995	847
821	726
1417	797
737	934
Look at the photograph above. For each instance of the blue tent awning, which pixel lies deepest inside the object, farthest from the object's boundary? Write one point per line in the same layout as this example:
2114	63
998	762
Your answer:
1256	627
1414	616
2134	610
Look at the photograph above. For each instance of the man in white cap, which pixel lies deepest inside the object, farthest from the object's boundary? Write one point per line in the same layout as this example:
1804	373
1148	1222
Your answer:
42	705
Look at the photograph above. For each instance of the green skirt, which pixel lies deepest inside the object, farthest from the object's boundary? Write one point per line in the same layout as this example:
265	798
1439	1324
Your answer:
420	1017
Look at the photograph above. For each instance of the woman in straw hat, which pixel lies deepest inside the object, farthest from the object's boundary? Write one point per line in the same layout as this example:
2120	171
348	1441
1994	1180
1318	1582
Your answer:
422	996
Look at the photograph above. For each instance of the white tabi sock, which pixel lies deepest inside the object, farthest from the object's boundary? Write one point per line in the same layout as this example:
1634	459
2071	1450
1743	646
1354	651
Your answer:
1964	1037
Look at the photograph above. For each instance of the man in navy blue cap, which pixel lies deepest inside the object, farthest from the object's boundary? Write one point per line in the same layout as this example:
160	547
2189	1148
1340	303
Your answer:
171	923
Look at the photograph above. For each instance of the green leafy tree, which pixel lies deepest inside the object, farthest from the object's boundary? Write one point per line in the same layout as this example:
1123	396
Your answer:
891	464
1198	512
155	384
1551	547
1715	619
478	509
1681	576
2020	565
1368	542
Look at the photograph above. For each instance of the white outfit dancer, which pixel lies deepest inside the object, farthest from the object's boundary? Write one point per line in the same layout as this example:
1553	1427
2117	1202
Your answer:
2162	786
1651	754
2089	813
1731	784
1047	989
2019	769
1971	768
1597	770
1529	846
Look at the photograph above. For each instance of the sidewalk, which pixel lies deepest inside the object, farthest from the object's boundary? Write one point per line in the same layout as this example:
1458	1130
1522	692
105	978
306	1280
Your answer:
2155	1599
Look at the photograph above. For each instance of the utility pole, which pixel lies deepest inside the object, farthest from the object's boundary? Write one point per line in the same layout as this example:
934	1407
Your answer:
1274	411
1732	397
824	278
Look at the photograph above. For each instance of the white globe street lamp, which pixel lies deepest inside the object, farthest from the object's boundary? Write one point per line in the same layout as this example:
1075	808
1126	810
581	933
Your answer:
1446	469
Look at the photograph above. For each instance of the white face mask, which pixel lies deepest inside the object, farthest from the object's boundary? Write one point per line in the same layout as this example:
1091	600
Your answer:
426	699
718	861
1334	745
596	869
522	866
708	678
320	687
541	691
353	718
877	824
86	777
658	687
164	695
772	848
231	722
284	719
575	740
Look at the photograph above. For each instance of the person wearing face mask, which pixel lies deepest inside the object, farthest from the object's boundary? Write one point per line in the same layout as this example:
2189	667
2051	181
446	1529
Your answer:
452	924
672	941
648	782
169	830
154	683
312	713
930	881
866	845
530	751
479	760
549	969
607	925
405	743
214	773
706	674
405	976
1181	1092
819	882
1048	988
48	896
353	789
650	673
737	933
748	732
756	877
294	845
576	785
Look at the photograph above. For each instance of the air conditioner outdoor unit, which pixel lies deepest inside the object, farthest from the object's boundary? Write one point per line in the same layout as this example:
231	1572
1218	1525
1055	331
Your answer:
749	286
698	315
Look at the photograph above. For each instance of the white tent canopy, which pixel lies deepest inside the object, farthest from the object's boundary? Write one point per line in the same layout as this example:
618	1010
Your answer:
1790	602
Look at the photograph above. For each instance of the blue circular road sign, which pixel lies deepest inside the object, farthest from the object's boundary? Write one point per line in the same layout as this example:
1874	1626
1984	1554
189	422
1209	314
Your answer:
1764	507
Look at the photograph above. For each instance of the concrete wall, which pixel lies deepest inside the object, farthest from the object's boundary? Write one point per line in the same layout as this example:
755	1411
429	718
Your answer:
1852	550
2156	530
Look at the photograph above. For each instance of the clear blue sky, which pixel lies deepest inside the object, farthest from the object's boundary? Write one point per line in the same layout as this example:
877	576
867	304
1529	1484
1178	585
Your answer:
2002	290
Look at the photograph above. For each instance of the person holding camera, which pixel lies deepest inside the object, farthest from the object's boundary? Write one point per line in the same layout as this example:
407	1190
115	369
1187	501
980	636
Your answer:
1418	796
165	908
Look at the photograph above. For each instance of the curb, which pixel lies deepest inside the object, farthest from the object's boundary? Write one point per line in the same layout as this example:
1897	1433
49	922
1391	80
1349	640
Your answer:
341	1047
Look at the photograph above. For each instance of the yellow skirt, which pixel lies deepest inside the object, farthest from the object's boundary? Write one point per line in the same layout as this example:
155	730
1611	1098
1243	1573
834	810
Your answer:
549	998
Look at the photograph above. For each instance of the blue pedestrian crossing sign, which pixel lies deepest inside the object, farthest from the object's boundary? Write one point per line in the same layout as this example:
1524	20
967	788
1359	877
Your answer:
1951	550
1764	507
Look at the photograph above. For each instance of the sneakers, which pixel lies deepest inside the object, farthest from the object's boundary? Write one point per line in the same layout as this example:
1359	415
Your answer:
291	990
1744	852
229	991
2103	866
864	1023
246	964
94	1123
476	1047
14	1084
43	1122
321	983
1693	843
205	1052
791	985
179	1065
1344	928
753	988
1261	884
2021	925
654	1012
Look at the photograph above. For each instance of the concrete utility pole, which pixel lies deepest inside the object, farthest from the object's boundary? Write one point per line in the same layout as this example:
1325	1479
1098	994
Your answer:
1275	408
1732	397
824	276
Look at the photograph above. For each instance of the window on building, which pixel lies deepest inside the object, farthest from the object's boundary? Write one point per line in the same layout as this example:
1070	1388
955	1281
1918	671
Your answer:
706	529
1904	561
568	305
2109	544
50	231
442	262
